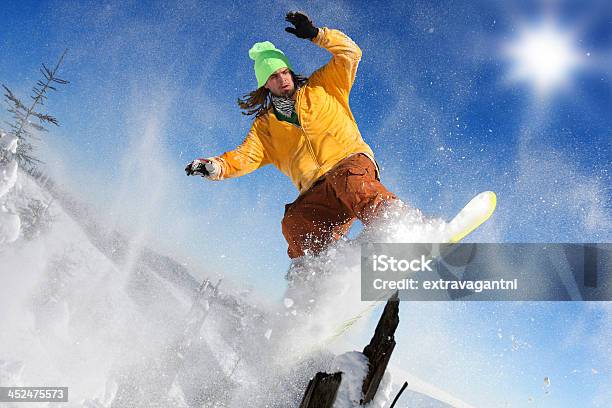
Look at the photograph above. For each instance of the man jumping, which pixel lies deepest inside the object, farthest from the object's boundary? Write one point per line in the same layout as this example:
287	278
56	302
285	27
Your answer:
305	127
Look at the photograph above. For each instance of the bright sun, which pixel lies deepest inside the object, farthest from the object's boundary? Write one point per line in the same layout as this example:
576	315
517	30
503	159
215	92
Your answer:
544	56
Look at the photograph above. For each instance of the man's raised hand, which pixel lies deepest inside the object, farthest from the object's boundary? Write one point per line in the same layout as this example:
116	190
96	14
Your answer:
304	28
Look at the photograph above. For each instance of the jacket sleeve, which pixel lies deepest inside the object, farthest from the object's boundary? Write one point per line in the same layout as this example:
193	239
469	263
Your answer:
338	74
247	157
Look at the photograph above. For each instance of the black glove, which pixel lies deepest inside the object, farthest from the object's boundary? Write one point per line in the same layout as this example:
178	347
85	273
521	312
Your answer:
200	167
303	26
194	166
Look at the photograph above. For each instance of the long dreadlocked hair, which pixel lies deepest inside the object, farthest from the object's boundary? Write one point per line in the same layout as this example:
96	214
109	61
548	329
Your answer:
259	101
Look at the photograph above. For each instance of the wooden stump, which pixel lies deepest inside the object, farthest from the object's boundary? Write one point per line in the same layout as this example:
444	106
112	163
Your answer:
321	391
380	348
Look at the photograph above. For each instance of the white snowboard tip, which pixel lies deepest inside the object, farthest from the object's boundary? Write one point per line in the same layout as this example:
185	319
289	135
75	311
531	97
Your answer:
476	212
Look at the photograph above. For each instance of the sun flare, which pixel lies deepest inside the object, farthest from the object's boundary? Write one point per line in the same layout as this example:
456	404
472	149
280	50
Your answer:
544	56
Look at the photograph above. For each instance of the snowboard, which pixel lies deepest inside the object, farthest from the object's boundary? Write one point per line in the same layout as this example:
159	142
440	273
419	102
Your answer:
478	210
473	215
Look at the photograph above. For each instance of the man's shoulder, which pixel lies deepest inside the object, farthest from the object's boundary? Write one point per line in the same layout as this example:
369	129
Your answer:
261	123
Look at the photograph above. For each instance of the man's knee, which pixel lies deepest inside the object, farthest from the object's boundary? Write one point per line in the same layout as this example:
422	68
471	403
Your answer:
292	221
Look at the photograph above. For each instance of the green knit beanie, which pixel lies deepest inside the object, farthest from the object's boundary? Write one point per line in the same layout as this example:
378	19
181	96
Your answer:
267	59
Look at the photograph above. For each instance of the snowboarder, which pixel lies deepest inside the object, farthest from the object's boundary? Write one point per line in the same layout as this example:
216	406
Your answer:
304	126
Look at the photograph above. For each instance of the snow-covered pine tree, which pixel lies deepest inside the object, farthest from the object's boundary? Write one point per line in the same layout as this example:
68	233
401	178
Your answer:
16	150
24	117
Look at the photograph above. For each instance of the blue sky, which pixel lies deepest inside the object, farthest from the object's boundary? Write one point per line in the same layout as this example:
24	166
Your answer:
154	85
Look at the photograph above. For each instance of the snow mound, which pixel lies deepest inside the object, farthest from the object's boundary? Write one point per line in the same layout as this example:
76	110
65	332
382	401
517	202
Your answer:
10	223
354	368
8	177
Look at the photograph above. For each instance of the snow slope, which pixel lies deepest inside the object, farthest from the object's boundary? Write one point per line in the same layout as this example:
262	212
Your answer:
84	307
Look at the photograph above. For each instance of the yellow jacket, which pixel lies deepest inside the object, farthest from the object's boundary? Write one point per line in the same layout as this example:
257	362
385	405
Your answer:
328	131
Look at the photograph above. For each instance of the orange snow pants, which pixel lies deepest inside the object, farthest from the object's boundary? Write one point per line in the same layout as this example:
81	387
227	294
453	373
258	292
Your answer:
326	211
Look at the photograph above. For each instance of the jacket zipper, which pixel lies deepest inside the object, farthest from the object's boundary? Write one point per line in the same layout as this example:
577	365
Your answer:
301	127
